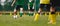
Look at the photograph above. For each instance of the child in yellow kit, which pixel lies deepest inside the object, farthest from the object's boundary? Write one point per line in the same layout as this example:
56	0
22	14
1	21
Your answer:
52	16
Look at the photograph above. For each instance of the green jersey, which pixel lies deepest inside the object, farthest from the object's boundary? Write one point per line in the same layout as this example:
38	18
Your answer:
31	3
19	2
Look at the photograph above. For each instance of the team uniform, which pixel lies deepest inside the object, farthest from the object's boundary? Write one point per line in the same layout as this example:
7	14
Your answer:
52	16
31	11
18	5
21	12
54	3
31	2
15	14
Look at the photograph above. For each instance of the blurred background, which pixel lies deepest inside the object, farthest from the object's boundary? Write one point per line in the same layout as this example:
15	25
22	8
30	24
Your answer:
8	7
6	14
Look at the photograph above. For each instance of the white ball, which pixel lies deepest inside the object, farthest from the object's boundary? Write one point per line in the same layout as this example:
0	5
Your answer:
15	17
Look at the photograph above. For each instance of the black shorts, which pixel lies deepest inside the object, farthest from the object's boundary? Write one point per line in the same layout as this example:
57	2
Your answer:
53	12
46	6
39	13
31	9
18	7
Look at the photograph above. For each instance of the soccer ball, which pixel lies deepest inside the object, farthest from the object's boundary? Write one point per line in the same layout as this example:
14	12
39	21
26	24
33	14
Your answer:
15	16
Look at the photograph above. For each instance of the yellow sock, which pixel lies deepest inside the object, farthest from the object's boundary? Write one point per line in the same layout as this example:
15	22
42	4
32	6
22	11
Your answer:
49	18
36	17
53	19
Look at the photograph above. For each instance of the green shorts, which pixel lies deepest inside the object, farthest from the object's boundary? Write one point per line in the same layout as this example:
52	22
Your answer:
21	14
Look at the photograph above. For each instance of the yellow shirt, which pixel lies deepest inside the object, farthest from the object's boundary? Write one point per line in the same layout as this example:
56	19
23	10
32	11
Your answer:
44	1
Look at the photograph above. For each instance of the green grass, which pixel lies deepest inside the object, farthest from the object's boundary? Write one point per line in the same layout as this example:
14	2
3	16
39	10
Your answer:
7	20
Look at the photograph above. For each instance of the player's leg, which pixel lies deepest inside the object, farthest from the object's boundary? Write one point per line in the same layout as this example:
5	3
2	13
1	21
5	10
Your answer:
31	12
47	6
36	17
38	13
15	10
41	8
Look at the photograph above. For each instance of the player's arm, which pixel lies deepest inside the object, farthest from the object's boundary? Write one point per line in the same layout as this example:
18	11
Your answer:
13	2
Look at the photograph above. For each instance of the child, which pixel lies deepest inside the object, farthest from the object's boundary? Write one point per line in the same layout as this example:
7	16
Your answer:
21	12
31	8
15	13
52	16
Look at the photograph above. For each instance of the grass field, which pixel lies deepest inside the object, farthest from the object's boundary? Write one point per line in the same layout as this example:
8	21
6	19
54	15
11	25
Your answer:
7	20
